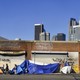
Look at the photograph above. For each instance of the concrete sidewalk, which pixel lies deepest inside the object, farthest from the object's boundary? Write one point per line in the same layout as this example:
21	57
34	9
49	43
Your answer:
41	77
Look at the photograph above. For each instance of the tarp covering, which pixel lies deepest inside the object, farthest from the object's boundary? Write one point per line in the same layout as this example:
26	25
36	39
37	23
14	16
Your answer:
31	68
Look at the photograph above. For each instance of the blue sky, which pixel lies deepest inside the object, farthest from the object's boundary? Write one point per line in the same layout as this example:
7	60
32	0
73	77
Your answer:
17	17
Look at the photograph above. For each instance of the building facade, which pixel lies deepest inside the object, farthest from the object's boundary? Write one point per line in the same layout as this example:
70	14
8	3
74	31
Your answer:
44	36
39	28
72	23
76	33
61	37
54	38
42	51
47	36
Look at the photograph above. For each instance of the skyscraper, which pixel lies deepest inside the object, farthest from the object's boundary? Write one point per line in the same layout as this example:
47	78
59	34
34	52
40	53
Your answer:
45	36
72	23
39	28
61	37
76	32
54	38
42	36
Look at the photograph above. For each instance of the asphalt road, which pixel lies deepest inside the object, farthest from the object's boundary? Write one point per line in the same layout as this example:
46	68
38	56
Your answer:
41	77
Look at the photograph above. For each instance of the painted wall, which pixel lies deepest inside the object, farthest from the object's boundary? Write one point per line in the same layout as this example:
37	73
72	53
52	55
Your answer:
75	57
47	58
11	60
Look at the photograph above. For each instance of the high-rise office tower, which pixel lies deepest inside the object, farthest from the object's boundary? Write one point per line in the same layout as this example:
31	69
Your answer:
61	37
76	32
42	36
72	23
54	37
45	36
39	28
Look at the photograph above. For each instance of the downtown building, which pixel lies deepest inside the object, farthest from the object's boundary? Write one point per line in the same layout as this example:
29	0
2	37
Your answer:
39	28
76	33
44	36
40	33
59	37
72	29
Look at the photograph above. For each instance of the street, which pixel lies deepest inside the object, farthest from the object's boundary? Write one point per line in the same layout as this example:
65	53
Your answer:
40	77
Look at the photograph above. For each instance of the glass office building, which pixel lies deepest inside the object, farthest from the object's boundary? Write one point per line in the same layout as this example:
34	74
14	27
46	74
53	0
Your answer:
39	28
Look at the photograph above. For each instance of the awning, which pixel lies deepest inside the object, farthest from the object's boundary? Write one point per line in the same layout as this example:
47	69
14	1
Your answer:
51	52
12	53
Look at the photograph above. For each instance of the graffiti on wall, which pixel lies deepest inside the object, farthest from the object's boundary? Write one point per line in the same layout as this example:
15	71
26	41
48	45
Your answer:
11	61
4	60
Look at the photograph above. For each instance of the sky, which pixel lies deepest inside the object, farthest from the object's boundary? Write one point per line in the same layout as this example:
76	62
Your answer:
17	17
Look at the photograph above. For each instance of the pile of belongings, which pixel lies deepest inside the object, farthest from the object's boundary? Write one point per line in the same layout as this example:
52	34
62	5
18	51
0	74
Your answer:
66	69
1	72
33	68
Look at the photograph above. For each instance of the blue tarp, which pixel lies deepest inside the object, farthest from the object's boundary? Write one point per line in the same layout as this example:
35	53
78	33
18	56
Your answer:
66	64
31	68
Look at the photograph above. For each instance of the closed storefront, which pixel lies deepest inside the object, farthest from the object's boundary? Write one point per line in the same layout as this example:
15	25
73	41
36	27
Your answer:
11	59
48	57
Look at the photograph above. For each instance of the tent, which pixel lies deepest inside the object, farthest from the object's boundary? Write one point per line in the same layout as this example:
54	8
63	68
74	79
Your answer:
31	68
